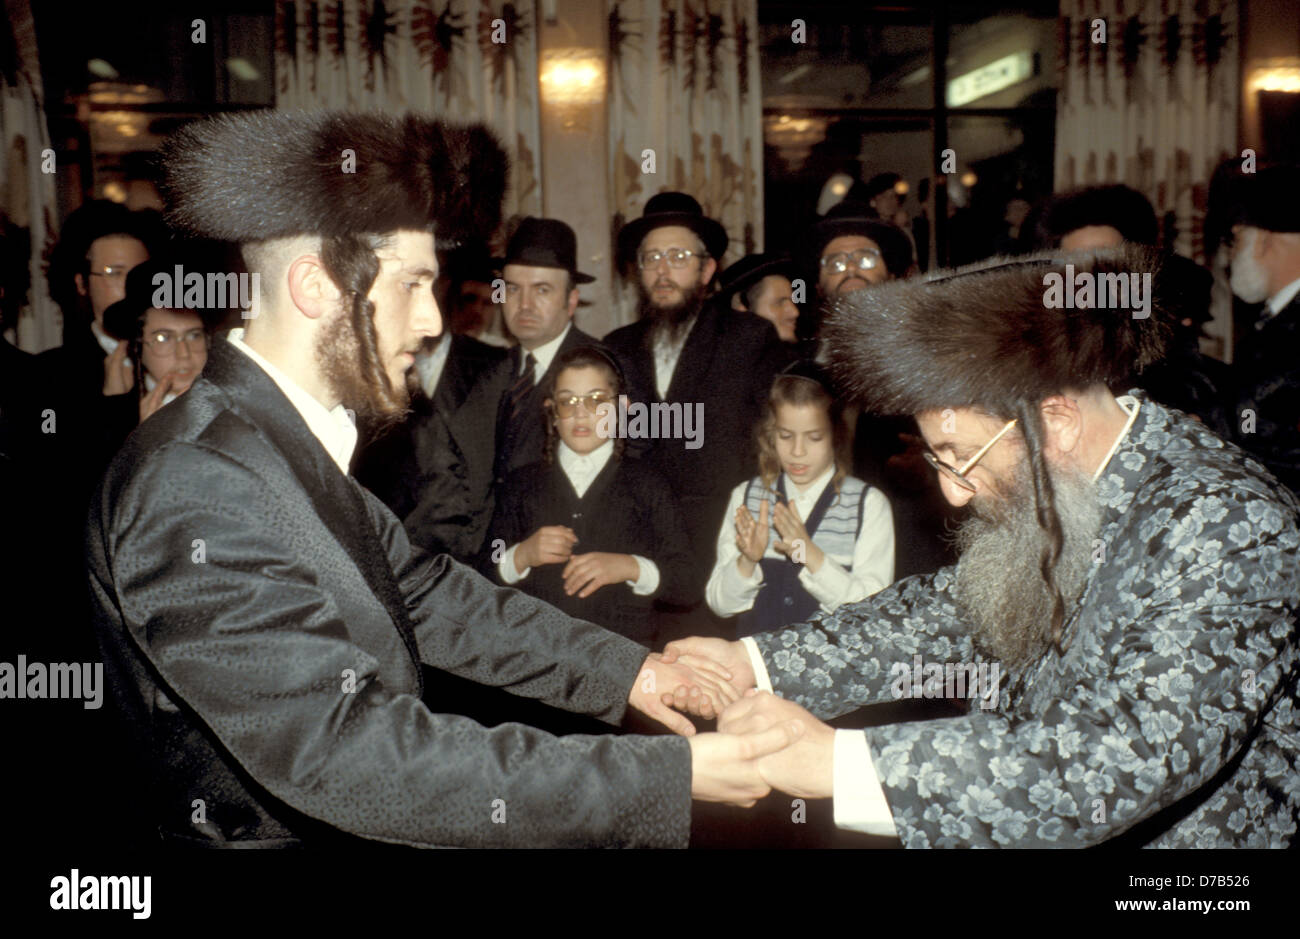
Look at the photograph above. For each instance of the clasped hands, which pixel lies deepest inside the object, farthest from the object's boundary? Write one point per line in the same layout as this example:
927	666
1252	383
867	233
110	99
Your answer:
763	741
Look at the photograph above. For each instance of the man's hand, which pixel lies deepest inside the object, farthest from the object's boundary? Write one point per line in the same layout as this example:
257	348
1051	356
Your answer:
550	544
725	767
729	658
698	681
587	573
154	399
805	770
118	376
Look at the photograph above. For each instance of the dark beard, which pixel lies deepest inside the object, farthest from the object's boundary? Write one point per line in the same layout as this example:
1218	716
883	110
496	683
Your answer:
338	350
999	585
673	318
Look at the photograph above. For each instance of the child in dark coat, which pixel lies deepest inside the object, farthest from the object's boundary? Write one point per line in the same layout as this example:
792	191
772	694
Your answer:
593	533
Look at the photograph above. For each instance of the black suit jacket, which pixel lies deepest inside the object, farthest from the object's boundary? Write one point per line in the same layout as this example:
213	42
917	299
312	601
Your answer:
727	364
263	619
1268	369
418	470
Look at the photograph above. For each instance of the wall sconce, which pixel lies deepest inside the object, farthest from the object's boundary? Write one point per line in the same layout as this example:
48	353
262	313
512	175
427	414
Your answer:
572	77
1275	78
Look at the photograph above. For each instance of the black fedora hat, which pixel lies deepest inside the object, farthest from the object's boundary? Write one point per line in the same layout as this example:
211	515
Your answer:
856	218
1269	198
125	318
752	268
545	242
672	208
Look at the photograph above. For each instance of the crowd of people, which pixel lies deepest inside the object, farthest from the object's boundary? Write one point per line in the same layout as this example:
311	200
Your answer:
730	465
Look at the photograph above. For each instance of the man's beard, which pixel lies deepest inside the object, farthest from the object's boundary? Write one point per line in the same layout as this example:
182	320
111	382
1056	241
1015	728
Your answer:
999	584
673	317
338	350
1249	281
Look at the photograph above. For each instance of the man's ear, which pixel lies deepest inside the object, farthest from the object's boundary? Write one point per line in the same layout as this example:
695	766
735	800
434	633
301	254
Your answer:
738	303
81	284
574	297
1063	422
707	270
311	288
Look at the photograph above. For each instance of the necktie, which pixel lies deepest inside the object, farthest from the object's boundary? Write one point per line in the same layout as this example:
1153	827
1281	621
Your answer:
523	384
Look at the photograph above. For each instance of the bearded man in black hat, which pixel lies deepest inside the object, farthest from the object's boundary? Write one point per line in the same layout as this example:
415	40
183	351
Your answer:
1133	577
1265	246
697	356
264	619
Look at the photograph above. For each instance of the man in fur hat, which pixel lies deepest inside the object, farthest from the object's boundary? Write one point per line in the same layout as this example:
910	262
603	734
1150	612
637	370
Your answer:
1122	616
264	619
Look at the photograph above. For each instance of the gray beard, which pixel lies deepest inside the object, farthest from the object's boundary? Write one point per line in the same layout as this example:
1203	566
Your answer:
999	585
1249	281
673	319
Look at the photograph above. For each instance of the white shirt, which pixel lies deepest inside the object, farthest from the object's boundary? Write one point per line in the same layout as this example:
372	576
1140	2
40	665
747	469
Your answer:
544	355
1277	303
857	795
582	470
429	365
667	352
728	593
106	342
333	428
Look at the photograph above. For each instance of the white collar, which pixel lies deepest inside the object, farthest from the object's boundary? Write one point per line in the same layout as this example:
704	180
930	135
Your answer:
1132	406
586	466
106	342
150	383
544	354
1278	302
429	365
814	490
333	428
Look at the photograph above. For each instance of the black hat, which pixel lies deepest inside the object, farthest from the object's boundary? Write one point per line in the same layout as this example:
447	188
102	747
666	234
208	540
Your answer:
545	242
881	182
1122	208
274	174
855	218
672	208
752	268
125	318
1269	199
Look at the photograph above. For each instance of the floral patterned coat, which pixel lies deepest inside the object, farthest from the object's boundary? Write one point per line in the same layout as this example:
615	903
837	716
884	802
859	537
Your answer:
1172	716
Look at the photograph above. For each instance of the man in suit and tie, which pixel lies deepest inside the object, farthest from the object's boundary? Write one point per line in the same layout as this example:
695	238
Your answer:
264	619
541	278
686	350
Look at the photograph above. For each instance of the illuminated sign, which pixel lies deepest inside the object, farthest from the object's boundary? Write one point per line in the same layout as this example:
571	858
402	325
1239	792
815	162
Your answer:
987	79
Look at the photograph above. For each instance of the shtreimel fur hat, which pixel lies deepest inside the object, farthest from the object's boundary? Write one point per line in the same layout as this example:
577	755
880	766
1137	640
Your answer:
275	174
990	336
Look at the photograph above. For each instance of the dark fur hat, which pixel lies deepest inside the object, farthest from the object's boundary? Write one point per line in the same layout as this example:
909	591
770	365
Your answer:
983	336
274	174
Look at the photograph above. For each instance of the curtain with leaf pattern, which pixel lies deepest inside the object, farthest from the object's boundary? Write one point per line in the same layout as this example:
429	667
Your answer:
685	101
460	60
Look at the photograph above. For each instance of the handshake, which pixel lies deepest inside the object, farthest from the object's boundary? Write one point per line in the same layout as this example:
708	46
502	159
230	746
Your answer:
763	742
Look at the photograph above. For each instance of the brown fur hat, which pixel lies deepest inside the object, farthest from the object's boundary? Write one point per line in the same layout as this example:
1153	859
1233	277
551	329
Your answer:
273	174
983	335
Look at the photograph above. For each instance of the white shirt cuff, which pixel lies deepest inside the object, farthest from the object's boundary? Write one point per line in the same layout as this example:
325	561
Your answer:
506	567
762	681
647	581
858	797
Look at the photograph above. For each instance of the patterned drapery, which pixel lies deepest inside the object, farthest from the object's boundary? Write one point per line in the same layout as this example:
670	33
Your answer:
684	83
462	60
27	193
1153	107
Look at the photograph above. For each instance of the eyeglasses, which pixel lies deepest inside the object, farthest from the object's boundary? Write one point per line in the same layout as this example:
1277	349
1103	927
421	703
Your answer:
864	260
567	406
111	273
958	476
677	258
164	342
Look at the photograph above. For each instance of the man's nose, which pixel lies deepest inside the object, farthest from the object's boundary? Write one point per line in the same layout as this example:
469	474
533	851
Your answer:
428	317
956	495
183	349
